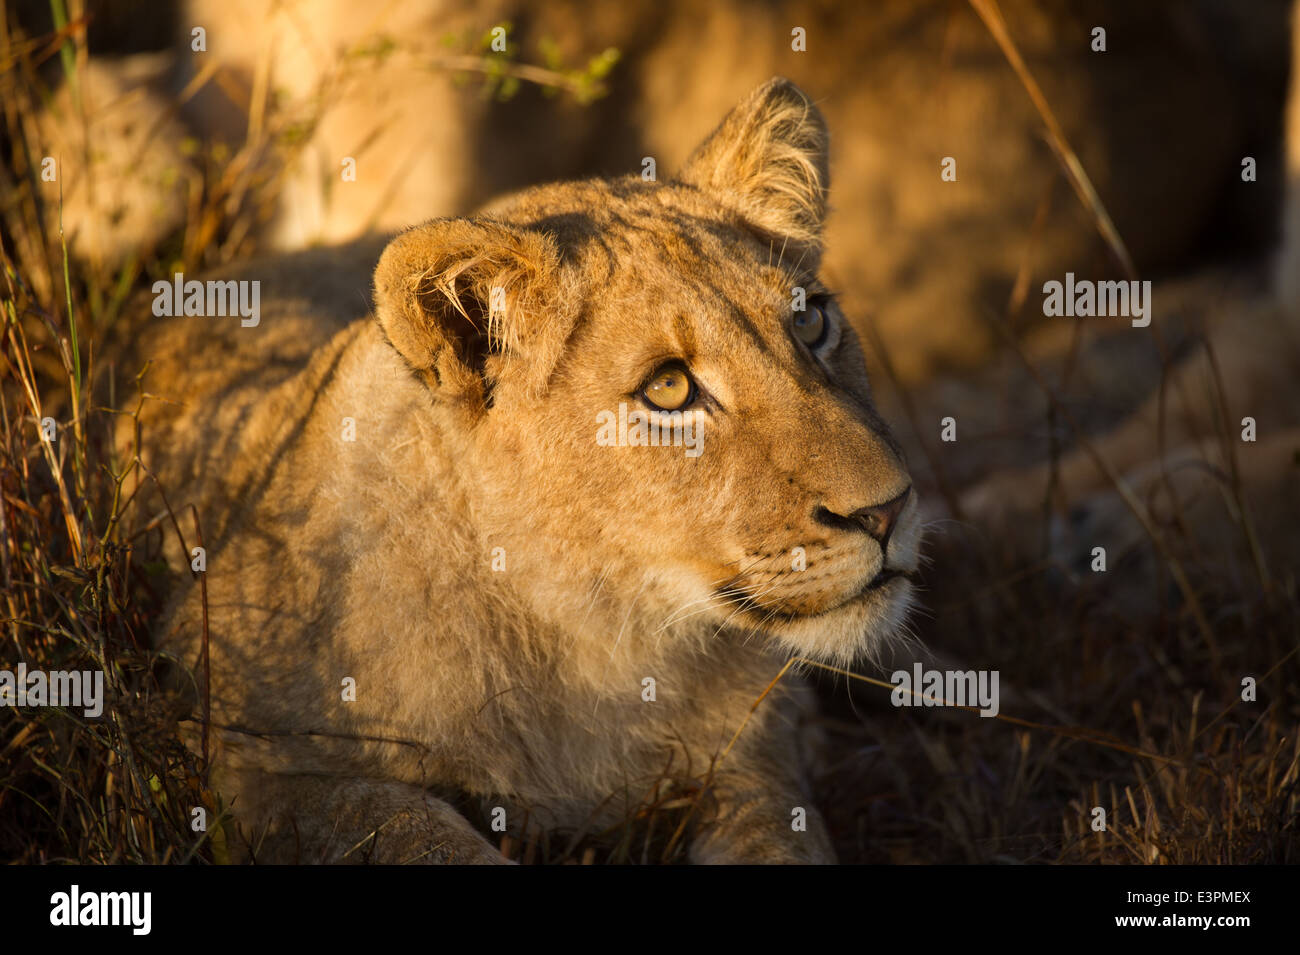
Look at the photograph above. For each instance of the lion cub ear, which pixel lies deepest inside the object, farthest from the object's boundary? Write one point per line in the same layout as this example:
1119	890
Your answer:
455	297
768	161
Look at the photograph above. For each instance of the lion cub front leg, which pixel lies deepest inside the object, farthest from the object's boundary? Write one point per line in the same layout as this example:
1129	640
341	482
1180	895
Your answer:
322	819
754	825
761	810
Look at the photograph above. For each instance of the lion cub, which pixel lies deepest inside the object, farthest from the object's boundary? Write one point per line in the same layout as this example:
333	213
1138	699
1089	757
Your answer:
545	523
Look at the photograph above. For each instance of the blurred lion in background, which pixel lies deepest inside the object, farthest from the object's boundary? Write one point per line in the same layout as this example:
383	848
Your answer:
950	204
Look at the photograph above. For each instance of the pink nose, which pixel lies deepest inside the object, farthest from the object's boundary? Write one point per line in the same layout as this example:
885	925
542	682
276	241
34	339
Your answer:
879	520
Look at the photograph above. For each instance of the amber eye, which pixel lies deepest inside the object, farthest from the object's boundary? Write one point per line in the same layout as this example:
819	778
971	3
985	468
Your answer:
810	325
670	389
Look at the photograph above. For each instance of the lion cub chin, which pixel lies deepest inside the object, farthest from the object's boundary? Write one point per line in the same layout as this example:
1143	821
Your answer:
530	539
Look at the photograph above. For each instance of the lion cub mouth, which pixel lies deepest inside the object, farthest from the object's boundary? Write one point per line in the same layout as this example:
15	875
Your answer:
878	587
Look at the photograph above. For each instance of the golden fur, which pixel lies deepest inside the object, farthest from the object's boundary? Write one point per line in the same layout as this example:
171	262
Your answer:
498	584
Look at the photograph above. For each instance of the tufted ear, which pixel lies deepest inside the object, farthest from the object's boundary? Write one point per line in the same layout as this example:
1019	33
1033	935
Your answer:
462	299
768	161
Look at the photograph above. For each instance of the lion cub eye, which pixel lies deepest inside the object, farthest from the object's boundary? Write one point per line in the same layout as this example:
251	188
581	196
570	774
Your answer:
811	325
670	388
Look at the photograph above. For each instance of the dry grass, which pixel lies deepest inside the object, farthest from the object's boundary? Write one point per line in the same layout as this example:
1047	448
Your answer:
1186	771
1143	718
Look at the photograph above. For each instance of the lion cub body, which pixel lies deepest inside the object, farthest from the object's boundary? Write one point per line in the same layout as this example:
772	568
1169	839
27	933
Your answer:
426	577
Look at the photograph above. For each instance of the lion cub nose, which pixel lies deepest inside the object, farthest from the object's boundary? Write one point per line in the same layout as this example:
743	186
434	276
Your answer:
878	520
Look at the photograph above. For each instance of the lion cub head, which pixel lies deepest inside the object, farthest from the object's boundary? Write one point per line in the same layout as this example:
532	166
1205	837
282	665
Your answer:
654	411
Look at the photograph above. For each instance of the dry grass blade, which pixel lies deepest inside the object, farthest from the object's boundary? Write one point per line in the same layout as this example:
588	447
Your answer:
991	14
